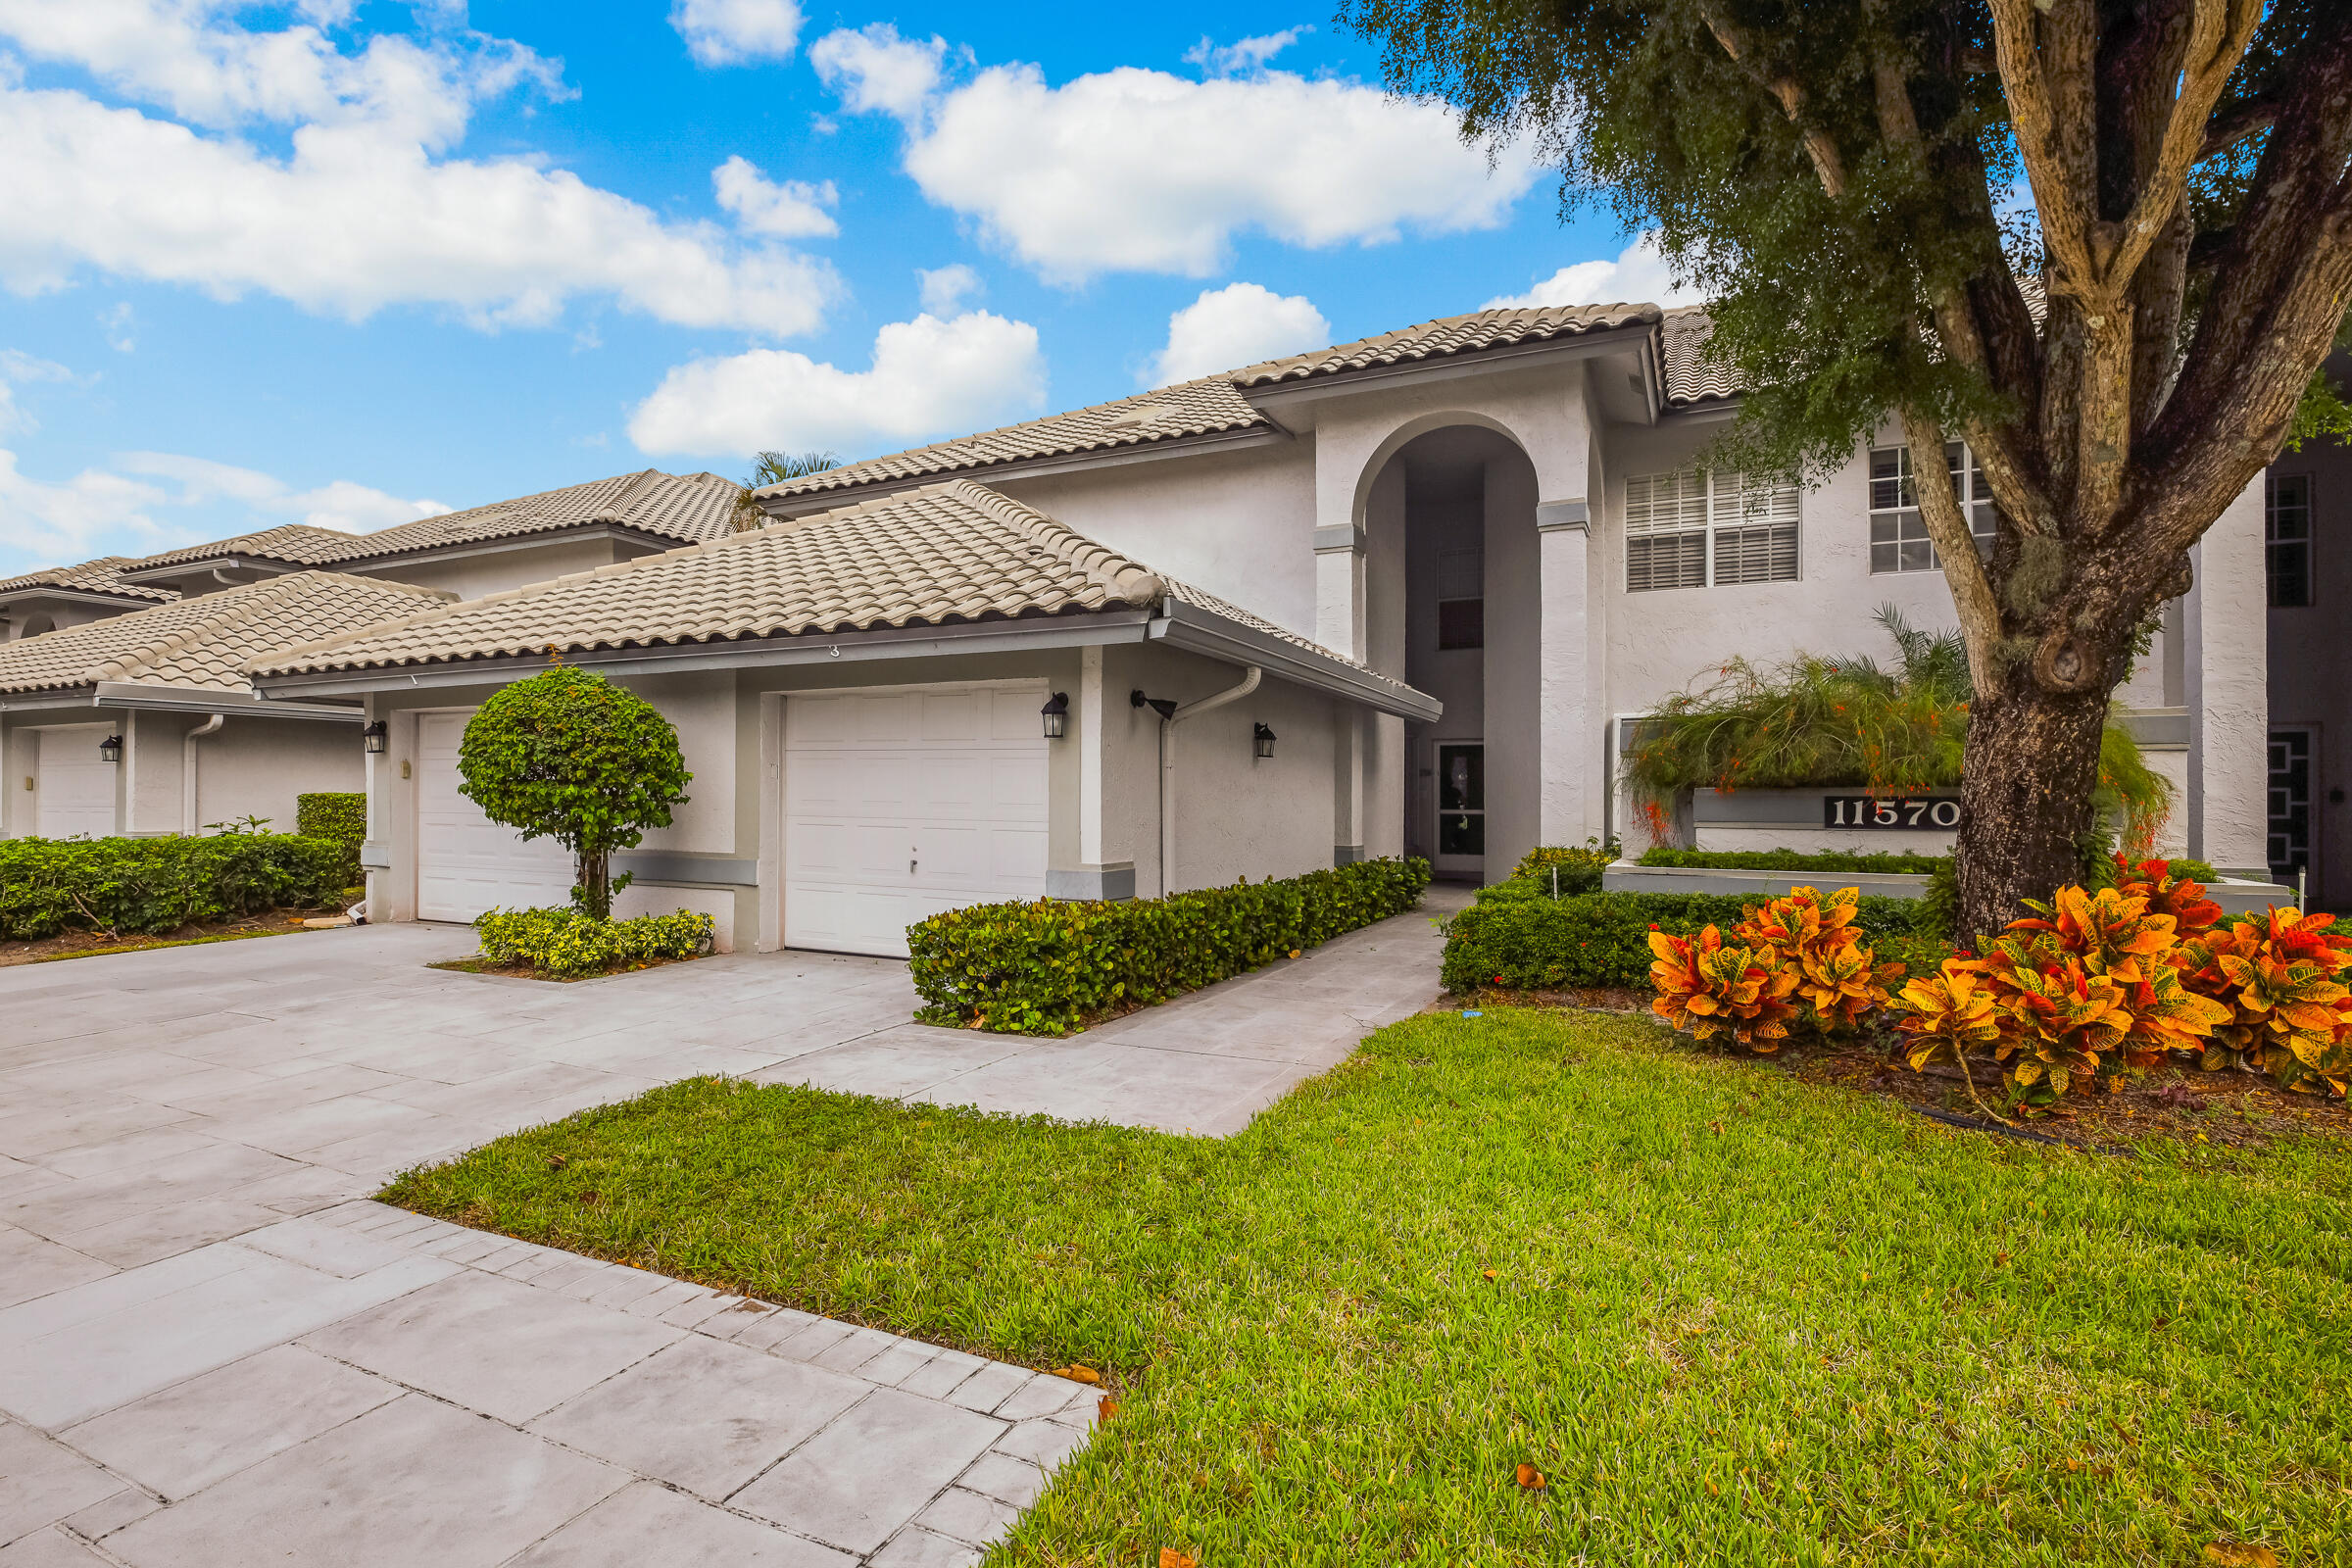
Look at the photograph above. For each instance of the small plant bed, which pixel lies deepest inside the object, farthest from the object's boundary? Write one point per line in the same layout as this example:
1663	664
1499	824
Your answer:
1059	965
560	944
97	944
1719	1316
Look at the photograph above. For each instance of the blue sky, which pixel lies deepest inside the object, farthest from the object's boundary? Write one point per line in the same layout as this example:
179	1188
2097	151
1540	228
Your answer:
353	263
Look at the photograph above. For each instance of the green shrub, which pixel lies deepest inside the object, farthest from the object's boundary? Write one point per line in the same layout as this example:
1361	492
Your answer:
1877	863
563	942
1579	866
160	884
568	756
1049	968
1518	936
340	816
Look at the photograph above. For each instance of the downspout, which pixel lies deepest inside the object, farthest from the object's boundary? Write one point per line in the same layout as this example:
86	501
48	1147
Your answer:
1168	720
187	769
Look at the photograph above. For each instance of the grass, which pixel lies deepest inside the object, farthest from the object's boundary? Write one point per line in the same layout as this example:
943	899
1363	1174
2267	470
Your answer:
149	944
1734	1317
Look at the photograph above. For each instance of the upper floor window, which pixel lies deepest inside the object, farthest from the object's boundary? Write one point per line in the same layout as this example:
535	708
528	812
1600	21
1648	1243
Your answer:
2286	539
1899	535
1703	528
1462	596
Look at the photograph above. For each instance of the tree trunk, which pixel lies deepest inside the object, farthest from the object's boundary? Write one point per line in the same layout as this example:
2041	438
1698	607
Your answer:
592	892
2027	776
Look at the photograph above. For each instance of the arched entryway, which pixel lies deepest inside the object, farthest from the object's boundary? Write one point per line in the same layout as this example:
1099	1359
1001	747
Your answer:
1455	608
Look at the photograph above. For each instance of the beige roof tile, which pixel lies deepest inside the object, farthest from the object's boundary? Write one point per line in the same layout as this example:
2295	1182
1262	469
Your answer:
689	509
100	576
1189	408
1447	336
1215	404
204	643
942	555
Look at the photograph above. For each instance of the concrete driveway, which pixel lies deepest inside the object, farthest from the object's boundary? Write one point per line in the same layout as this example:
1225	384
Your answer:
213	1349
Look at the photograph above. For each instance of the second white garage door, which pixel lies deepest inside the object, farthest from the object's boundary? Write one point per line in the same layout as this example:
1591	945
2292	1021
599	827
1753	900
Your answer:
78	785
465	862
901	803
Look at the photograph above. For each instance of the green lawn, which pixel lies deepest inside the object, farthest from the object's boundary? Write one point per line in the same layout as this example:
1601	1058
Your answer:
1735	1318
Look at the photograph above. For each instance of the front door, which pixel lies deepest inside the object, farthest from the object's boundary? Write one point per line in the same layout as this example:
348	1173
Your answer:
1461	826
2290	804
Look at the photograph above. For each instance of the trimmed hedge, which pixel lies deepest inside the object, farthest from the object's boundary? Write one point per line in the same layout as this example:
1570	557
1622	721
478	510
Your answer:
1519	937
1880	861
160	884
565	942
1049	968
1579	866
340	816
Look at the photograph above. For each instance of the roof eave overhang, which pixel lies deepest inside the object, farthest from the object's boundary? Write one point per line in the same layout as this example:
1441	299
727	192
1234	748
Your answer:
804	503
158	698
12	597
1203	631
1275	398
506	544
1091	629
179	570
1702	411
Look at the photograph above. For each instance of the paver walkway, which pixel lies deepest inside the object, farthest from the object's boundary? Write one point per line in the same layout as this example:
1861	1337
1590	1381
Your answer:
214	1350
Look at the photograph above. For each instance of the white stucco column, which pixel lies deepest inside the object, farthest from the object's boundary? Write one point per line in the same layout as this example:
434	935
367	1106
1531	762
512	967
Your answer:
2228	672
1571	792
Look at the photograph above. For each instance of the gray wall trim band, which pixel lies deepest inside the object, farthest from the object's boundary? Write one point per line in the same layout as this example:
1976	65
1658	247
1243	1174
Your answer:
676	869
376	854
1346	854
1100	882
1339	536
1563	514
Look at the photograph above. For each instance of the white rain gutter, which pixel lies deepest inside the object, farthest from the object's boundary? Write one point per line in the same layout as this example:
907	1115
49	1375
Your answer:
187	769
1251	675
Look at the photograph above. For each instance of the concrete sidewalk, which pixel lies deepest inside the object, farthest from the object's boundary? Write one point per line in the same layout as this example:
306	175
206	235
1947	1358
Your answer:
214	1350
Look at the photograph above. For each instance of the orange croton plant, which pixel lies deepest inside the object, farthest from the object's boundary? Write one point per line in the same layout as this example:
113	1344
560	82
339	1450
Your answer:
1709	989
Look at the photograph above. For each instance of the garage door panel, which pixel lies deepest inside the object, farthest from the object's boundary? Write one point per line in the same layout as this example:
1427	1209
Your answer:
901	806
466	863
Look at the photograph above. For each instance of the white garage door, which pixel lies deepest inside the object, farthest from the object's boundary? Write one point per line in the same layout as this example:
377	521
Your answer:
465	862
900	805
78	786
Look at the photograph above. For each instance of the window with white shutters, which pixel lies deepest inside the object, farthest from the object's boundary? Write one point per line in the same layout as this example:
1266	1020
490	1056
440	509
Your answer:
1700	528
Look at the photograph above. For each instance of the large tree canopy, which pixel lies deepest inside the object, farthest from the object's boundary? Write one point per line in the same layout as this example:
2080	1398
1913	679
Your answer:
2107	244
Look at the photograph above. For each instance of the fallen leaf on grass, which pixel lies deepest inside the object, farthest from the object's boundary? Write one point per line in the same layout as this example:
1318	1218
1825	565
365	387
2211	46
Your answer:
557	1162
1490	1273
1105	1407
2241	1554
1170	1557
1078	1373
1532	1477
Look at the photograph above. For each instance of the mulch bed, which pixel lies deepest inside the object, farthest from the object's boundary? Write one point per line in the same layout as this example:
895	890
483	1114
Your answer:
524	971
95	944
2231	1109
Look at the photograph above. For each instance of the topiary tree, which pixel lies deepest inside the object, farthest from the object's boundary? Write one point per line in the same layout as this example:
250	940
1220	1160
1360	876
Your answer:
570	756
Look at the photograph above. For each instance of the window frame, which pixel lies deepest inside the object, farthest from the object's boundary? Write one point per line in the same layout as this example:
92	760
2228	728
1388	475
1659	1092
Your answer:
1722	508
2308	542
1974	494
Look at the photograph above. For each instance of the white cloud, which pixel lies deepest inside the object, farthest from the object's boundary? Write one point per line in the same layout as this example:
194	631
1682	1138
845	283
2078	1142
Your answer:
16	368
794	209
151	501
929	377
946	287
1134	170
1638	274
361	211
1243	55
1234	325
877	71
115	323
730	32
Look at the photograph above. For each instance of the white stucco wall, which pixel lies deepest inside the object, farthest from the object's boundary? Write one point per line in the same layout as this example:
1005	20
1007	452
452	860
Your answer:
2228	698
497	570
251	767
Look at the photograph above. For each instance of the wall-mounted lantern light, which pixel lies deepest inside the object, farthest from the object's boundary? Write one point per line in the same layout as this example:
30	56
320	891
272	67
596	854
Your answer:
1265	738
110	749
1056	714
376	738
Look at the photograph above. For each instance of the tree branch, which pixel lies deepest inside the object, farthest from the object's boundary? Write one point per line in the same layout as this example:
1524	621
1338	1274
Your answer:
2230	127
1948	526
1819	146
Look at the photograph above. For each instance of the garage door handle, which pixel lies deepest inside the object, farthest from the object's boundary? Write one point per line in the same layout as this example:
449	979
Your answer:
910	868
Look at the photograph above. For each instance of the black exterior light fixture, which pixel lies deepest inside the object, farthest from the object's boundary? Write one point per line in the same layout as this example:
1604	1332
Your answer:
377	739
110	749
1164	707
1056	714
1264	740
